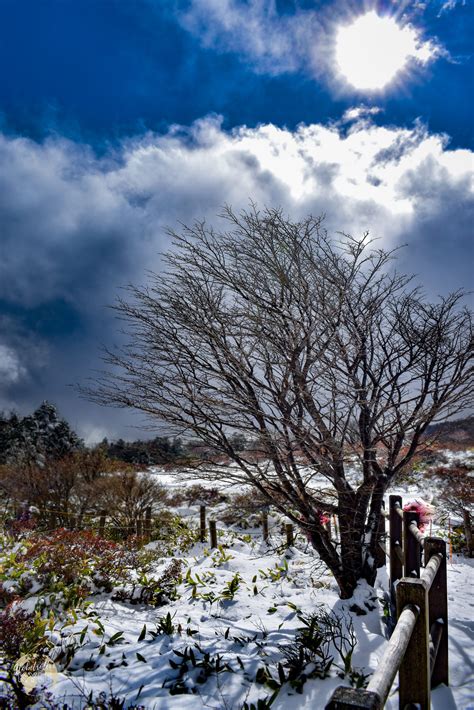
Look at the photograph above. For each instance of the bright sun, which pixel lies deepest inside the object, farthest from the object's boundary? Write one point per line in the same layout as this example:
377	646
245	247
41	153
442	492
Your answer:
372	50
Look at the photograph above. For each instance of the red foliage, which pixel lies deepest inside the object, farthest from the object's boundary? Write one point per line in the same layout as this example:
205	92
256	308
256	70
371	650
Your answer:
14	626
66	553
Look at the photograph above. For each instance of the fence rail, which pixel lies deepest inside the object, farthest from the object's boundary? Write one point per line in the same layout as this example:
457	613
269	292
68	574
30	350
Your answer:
418	646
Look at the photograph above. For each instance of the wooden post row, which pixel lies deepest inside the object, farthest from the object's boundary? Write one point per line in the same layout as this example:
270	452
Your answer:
422	661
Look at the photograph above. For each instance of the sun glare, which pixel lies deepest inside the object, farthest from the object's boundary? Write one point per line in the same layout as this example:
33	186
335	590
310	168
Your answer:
372	50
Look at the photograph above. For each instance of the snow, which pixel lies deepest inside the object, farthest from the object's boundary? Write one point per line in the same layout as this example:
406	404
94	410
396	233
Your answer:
249	616
248	631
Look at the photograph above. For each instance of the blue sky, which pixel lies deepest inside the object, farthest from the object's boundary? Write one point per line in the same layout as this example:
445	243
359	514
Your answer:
120	117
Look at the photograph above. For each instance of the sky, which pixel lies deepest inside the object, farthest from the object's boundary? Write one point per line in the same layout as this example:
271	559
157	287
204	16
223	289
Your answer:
119	118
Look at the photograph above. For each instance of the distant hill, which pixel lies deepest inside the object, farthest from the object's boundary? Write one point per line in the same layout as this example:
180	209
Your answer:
458	431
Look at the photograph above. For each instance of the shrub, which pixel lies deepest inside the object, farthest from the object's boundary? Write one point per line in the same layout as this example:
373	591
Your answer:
197	493
154	591
172	533
65	567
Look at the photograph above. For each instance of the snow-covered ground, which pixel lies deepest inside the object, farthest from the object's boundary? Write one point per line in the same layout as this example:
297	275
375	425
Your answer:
235	617
248	631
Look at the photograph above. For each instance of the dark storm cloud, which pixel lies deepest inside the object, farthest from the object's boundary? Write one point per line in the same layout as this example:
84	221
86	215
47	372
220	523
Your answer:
75	227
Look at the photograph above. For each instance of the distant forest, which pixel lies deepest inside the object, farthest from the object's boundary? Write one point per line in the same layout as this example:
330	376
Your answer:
457	431
45	435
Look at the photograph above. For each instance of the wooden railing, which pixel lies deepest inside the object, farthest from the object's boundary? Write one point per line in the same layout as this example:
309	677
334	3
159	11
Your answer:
418	647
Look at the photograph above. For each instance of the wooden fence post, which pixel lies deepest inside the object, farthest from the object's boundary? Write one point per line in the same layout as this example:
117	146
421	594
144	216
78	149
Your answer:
289	535
353	699
147	524
213	533
139	527
380	554
202	523
265	525
395	532
411	546
103	515
414	673
438	610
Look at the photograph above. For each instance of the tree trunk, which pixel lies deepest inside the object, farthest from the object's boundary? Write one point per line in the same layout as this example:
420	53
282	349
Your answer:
359	540
374	531
352	515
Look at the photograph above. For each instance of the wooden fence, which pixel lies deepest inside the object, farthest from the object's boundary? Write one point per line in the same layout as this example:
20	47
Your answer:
142	526
418	647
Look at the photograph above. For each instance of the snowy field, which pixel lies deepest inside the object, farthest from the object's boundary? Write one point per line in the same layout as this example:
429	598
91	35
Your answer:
227	639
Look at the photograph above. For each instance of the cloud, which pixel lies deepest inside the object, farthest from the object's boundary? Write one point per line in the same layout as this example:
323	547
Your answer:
448	5
77	226
357	112
10	368
274	42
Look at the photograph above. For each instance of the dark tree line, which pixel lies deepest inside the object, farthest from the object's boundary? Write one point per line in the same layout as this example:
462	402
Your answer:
160	450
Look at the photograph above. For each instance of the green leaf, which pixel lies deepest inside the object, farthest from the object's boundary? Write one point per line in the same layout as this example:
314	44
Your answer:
141	658
142	633
116	637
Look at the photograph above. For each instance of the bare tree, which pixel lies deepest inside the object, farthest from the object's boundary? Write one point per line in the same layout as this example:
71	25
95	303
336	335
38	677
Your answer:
312	347
458	495
127	494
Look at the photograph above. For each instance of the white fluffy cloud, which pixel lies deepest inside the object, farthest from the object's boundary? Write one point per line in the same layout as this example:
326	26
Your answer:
76	226
275	43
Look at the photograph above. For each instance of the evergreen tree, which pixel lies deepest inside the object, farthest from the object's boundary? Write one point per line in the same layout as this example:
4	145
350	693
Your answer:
37	437
8	427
